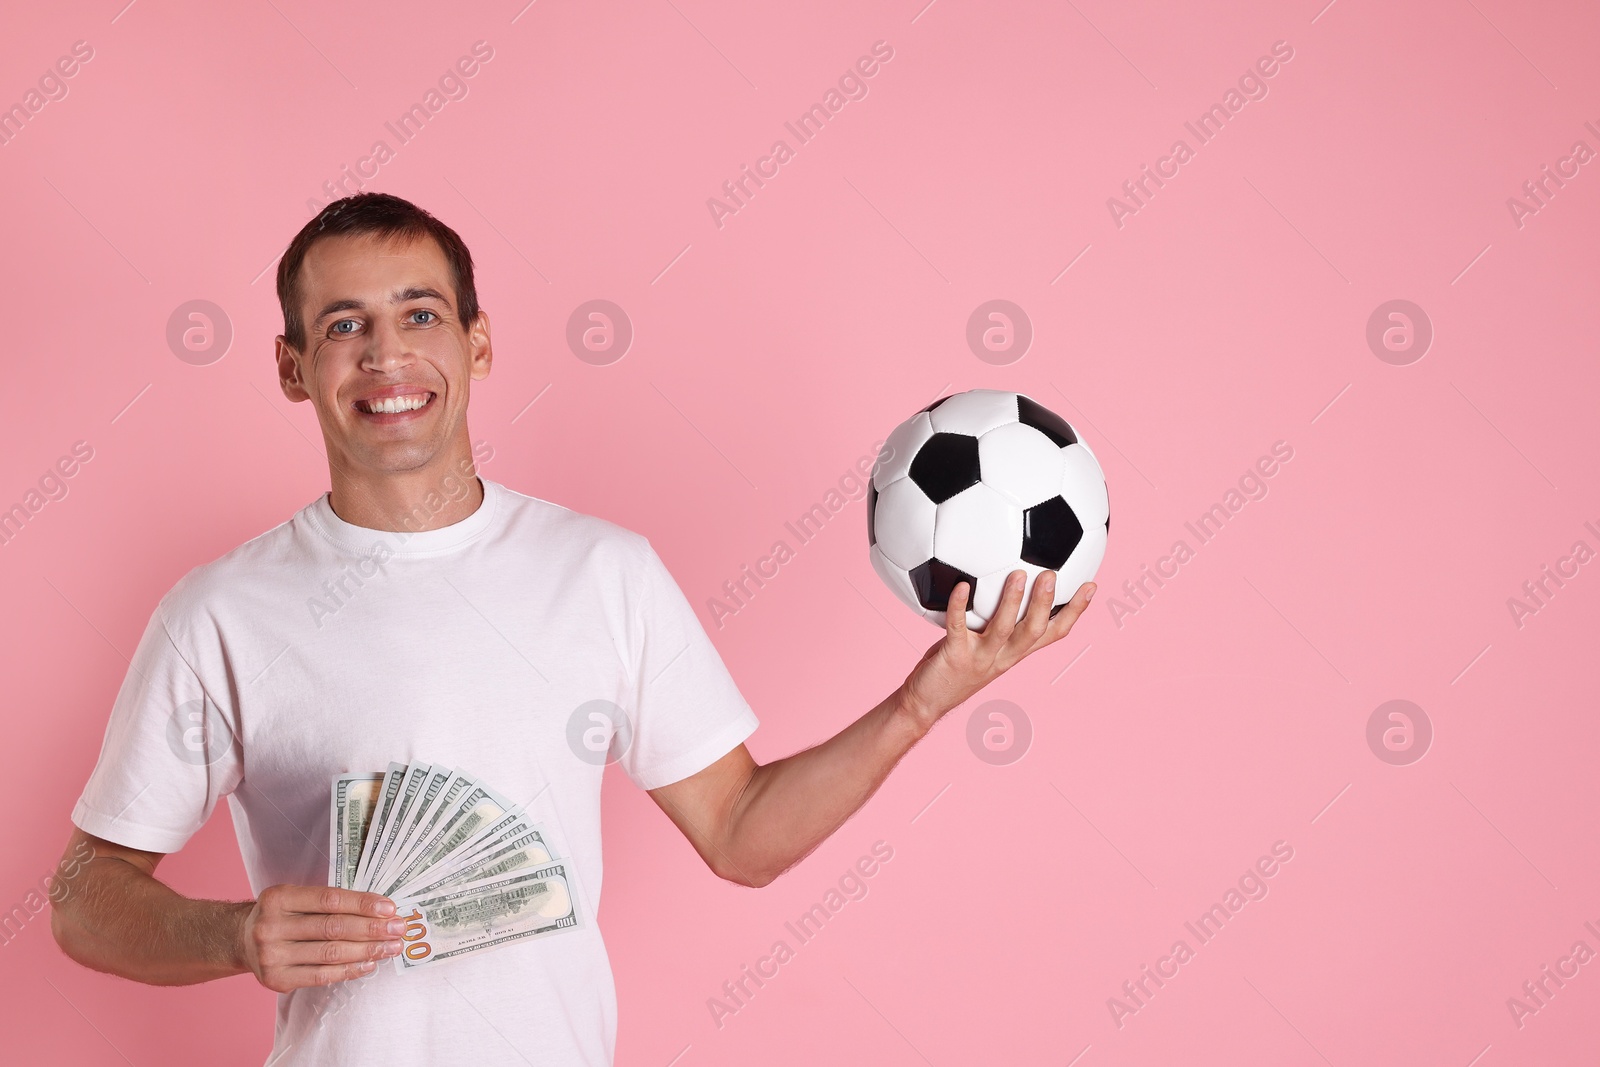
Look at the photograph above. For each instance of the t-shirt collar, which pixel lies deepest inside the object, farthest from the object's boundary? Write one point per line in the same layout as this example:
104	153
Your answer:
363	540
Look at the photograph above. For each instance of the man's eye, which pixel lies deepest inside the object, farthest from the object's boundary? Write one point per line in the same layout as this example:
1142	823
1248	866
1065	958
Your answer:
338	326
423	311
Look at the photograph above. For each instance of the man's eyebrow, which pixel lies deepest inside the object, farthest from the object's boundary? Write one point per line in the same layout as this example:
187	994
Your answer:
419	292
399	296
338	305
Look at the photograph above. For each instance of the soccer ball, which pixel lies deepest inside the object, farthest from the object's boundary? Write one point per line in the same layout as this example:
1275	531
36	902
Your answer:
978	485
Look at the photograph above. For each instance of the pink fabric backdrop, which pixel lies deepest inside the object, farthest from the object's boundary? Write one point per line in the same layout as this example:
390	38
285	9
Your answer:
1186	333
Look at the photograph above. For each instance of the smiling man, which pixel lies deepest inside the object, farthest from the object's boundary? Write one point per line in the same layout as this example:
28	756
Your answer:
488	619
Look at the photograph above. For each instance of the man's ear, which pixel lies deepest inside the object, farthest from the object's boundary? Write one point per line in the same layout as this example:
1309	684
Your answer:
480	353
289	370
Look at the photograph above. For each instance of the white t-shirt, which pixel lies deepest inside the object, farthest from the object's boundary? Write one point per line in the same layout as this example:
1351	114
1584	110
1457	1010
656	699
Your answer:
320	648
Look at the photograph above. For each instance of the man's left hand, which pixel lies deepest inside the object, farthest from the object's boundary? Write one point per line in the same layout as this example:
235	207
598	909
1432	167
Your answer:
963	662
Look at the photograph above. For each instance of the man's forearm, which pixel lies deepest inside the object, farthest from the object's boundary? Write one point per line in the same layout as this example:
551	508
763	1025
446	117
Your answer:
751	823
790	806
117	918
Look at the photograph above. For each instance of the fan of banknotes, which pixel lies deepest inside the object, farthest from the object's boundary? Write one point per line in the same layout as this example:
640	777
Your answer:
463	865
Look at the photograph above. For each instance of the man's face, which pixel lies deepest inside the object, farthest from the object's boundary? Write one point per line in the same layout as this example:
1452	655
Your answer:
387	361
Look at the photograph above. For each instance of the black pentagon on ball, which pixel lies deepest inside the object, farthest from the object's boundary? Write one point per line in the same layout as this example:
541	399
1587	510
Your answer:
935	580
1047	422
1050	531
872	511
946	464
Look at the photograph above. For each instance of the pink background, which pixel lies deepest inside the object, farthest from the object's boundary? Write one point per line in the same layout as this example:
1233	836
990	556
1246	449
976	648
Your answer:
1227	314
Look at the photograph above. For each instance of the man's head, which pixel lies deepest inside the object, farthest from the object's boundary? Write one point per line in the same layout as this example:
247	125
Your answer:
382	333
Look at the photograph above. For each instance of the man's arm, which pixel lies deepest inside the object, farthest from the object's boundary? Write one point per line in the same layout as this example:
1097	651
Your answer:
751	822
112	915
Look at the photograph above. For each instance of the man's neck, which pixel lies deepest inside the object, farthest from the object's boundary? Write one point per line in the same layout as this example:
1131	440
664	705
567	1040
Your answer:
413	501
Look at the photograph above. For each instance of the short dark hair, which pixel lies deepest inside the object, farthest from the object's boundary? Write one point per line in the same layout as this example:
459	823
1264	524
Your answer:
388	217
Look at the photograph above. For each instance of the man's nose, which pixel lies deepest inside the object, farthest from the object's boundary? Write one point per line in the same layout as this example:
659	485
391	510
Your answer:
387	348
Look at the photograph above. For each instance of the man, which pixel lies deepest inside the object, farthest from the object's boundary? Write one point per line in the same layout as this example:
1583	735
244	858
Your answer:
418	612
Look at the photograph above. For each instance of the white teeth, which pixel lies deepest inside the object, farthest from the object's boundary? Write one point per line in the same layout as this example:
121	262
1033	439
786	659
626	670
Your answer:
391	404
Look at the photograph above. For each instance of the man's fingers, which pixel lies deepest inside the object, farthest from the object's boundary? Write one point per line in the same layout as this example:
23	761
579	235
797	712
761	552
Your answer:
1033	624
295	954
337	927
327	900
301	977
1063	619
302	935
955	615
1004	619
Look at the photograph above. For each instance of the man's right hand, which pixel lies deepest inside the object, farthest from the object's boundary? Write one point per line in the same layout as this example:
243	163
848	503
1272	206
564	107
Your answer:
299	935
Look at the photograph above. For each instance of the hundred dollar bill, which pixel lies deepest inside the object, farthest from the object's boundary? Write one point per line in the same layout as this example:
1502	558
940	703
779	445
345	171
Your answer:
387	791
354	797
511	824
398	821
478	807
433	788
485	914
489	835
526	851
433	816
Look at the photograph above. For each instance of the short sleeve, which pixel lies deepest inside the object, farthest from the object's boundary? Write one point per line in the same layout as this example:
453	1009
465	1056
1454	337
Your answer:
687	712
169	754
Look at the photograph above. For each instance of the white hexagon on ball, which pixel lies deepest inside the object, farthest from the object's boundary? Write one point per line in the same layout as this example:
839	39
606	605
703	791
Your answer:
1021	463
905	524
977	530
975	412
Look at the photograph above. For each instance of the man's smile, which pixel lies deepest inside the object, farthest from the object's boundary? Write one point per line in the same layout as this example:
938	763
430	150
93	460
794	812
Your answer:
394	402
